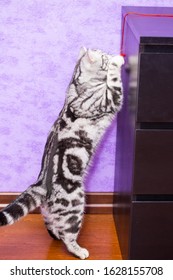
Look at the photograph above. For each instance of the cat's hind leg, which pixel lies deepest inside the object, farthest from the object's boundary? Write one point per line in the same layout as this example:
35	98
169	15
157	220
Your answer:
70	233
54	236
74	248
49	221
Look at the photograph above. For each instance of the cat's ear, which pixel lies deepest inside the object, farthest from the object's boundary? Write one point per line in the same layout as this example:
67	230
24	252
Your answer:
82	52
93	56
90	56
119	60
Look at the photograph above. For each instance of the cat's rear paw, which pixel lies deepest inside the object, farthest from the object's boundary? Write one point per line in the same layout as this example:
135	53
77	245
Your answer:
75	249
83	253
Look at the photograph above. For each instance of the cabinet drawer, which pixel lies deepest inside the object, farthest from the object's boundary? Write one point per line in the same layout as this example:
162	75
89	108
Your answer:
153	163
151	230
155	88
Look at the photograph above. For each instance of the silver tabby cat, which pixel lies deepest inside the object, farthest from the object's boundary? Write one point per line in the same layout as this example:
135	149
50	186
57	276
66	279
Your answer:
93	98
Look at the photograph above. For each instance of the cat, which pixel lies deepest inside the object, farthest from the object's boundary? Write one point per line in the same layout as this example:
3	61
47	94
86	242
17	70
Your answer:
93	98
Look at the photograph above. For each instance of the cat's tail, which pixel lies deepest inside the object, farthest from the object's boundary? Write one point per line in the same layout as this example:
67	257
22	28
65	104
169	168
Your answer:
25	203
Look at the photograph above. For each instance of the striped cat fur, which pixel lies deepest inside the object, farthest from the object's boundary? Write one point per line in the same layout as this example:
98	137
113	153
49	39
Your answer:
93	98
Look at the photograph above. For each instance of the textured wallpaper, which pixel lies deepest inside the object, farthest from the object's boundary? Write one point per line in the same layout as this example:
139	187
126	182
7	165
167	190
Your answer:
39	44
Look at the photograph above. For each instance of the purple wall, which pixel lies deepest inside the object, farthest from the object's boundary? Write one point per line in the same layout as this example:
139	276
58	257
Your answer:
39	44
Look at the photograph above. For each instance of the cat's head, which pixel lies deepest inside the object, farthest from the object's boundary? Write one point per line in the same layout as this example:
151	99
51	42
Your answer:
96	87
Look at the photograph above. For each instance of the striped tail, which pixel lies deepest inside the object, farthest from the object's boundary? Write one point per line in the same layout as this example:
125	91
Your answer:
25	203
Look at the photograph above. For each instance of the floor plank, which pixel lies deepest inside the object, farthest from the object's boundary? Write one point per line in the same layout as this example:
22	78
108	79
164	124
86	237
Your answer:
28	239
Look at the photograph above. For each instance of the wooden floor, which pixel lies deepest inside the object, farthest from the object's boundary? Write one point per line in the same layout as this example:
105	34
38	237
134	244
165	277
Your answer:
28	239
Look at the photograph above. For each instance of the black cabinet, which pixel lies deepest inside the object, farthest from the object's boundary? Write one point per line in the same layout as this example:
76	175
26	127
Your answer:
143	206
153	162
155	88
151	230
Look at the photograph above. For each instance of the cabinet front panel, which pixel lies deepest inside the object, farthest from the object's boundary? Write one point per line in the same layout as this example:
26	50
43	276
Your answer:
153	163
155	88
151	230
